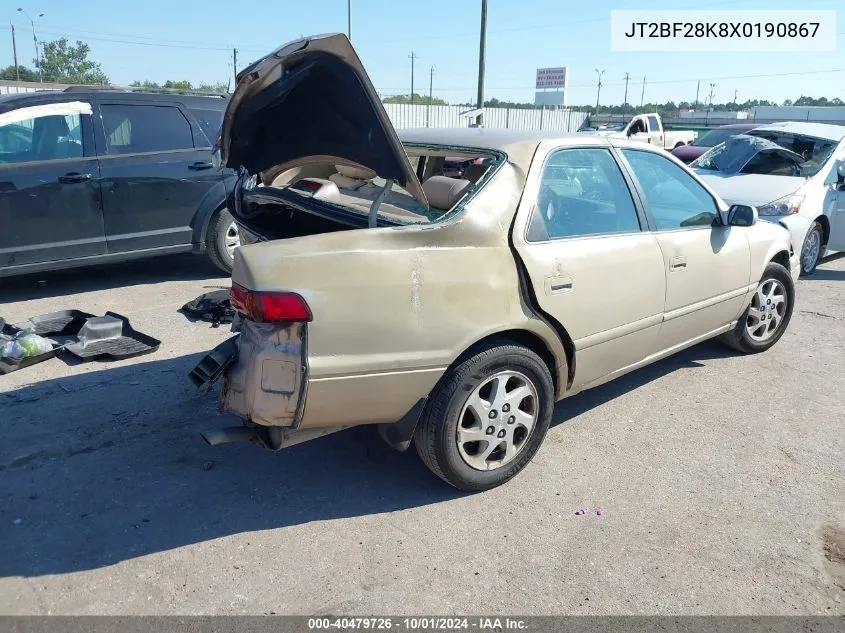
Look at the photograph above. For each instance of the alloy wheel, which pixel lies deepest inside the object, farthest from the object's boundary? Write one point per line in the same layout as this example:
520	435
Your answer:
232	239
767	311
812	248
497	420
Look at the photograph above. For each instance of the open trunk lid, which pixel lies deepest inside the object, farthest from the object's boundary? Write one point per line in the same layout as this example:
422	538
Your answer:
312	101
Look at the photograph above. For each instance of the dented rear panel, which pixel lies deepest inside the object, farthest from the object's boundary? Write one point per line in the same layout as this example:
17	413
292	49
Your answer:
267	381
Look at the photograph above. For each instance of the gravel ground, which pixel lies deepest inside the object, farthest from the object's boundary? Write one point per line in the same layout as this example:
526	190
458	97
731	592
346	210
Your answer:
720	477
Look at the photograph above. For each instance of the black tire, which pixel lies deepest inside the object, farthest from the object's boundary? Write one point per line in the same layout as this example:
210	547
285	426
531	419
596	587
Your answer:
739	338
816	232
436	434
215	240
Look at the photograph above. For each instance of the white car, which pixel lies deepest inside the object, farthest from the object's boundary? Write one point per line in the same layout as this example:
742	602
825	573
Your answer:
794	173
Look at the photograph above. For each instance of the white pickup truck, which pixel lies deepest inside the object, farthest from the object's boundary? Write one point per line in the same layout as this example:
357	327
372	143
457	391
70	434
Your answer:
648	128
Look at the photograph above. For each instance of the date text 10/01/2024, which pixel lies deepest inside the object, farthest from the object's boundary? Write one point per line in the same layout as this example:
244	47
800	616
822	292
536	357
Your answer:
417	623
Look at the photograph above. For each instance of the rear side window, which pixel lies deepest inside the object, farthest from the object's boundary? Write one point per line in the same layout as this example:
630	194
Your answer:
132	129
210	122
652	124
582	192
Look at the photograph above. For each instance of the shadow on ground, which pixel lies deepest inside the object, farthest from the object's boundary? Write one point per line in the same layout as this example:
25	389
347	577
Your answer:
76	280
108	465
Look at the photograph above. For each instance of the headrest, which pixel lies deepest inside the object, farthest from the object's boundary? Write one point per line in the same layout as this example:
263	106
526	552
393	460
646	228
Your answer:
473	173
360	173
444	192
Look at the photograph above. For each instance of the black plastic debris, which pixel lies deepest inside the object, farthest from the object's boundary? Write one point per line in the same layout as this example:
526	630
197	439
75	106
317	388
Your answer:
213	364
110	336
63	323
213	307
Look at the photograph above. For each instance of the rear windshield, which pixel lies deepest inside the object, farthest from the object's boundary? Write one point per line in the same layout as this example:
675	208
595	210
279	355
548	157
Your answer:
448	178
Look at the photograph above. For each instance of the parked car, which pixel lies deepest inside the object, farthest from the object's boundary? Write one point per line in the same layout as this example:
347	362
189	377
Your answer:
453	313
91	176
688	153
648	128
794	173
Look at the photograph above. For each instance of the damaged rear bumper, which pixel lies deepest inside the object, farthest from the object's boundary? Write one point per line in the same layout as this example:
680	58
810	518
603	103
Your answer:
264	370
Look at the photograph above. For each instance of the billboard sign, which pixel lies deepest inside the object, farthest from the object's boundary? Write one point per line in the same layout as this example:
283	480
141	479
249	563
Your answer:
551	78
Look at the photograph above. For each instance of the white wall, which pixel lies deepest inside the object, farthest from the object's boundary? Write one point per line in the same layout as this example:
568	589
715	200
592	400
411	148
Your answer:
405	115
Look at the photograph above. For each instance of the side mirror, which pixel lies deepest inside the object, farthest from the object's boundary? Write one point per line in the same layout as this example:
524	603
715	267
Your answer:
742	215
841	170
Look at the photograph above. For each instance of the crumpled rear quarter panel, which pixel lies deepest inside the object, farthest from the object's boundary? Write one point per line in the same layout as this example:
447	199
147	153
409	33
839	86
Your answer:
266	383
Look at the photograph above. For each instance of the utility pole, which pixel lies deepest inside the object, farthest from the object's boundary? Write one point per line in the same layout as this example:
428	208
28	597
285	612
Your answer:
625	100
430	95
15	52
710	96
642	94
697	88
35	42
598	90
482	45
736	93
349	19
235	62
412	57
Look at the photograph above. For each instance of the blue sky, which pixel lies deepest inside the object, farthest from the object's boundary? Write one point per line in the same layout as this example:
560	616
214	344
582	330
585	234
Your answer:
190	39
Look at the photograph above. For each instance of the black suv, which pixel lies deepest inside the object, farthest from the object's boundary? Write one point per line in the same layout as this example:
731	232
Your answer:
92	176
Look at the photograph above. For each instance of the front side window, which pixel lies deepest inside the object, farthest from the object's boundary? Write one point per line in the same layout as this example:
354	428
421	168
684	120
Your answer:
582	192
675	198
39	138
133	129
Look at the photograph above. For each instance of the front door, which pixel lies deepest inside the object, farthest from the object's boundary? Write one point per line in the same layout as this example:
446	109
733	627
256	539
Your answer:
707	265
155	171
49	185
834	200
592	265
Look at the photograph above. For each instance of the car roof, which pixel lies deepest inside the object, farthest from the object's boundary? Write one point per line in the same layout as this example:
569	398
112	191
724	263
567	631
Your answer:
807	128
519	145
10	101
738	126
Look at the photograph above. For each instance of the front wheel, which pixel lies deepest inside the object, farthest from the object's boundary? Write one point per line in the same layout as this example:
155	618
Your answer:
222	238
486	417
811	251
766	318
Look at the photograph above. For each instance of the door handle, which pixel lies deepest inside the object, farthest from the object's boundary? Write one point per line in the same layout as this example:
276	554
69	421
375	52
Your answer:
677	263
558	284
74	177
200	165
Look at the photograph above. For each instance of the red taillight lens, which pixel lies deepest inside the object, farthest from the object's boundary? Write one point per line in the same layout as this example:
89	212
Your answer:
270	307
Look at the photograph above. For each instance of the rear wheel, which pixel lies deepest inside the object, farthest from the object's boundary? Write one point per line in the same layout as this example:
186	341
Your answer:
222	239
811	251
766	318
487	417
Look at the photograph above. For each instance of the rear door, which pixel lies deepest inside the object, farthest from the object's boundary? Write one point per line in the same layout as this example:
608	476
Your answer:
156	168
49	185
593	264
707	266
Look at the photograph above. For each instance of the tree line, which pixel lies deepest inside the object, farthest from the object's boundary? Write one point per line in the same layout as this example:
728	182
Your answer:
65	63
